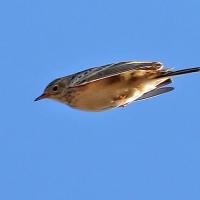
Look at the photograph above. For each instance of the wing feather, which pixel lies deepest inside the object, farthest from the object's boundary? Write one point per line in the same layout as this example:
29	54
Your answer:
106	71
154	93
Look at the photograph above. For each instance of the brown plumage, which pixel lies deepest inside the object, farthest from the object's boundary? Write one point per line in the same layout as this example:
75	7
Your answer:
114	85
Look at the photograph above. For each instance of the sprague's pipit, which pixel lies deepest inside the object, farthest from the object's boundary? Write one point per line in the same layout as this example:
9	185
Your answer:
113	85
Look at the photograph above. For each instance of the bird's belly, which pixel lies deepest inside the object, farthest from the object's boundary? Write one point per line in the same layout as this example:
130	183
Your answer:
101	96
99	100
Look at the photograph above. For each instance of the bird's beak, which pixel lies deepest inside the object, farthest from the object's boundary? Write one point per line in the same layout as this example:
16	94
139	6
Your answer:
43	96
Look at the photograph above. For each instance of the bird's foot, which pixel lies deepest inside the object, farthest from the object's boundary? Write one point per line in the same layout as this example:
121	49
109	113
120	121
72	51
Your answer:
124	105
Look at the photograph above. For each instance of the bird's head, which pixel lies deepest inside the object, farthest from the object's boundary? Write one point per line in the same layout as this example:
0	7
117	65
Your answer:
54	90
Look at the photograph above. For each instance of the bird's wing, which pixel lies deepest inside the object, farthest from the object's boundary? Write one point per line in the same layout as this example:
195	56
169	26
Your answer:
106	71
155	92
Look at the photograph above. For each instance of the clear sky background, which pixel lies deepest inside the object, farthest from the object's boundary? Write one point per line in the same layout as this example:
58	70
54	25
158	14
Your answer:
149	150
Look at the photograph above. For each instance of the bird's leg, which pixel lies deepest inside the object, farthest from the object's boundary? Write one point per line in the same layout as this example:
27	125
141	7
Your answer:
122	97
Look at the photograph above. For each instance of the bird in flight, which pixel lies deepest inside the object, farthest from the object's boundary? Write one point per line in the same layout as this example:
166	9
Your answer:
113	85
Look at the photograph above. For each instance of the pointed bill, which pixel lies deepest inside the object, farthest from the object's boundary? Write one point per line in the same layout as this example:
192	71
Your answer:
43	96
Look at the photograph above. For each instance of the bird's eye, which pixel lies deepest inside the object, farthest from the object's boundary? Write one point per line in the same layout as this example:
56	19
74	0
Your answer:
55	88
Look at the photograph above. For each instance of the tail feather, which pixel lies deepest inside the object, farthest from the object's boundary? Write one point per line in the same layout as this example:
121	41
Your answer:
180	72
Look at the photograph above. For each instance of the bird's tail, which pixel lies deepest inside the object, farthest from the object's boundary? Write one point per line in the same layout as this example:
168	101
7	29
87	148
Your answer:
180	72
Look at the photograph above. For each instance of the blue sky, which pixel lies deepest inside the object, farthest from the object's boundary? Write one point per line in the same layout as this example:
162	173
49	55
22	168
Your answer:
149	150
